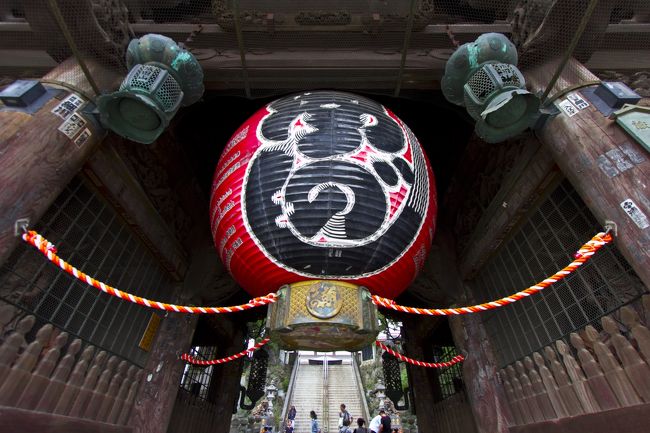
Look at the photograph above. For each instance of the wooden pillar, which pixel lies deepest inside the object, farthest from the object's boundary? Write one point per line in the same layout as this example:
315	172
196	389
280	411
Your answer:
423	381
38	159
484	391
485	394
224	383
155	399
606	166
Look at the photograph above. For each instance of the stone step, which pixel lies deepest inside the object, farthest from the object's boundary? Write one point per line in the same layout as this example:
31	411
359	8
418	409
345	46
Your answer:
307	395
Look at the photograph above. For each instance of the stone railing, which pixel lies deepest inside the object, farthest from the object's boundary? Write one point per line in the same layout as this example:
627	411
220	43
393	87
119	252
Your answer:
597	372
38	377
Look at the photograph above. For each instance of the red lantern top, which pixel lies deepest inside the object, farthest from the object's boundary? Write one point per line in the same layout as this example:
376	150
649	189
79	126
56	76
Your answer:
323	185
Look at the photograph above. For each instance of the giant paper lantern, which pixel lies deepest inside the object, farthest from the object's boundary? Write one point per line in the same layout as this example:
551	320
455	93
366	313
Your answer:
323	186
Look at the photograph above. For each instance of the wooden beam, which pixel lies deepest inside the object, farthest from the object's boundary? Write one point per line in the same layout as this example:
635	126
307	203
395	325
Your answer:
485	394
225	381
620	60
212	35
183	29
424	383
606	166
435	285
532	174
111	176
632	419
27	60
325	58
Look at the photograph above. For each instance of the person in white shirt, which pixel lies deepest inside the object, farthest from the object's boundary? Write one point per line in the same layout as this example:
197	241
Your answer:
376	422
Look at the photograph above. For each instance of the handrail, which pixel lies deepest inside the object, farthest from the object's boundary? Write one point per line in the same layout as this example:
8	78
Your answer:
326	410
289	395
361	390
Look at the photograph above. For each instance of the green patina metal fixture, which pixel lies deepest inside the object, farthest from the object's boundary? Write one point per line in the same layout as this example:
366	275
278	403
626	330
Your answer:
635	119
482	77
162	77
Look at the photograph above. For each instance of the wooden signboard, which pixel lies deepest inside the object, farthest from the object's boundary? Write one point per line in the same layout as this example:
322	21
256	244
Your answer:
147	337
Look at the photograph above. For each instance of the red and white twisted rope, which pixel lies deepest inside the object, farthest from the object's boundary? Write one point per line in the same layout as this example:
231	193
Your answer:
582	256
455	360
192	360
45	247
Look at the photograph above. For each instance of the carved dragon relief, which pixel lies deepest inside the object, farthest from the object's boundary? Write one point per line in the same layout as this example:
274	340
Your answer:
208	280
157	184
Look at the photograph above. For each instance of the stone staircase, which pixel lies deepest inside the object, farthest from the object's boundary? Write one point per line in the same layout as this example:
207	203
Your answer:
343	389
307	395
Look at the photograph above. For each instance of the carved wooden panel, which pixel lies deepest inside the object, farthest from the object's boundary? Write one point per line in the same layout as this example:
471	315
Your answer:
609	372
40	380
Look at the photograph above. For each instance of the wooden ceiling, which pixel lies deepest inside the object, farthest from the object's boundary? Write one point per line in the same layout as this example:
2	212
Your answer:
302	57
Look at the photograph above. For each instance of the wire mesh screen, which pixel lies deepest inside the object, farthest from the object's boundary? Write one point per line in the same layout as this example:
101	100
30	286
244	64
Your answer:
263	47
450	378
544	244
196	379
91	236
194	410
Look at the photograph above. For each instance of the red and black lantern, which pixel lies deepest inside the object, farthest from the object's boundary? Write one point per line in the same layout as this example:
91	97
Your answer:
323	185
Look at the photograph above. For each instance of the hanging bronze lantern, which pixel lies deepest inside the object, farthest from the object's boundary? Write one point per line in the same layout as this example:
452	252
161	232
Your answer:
393	380
256	380
323	315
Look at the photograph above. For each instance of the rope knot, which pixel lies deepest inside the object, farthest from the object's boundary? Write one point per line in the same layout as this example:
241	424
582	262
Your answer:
30	236
50	247
262	300
589	247
39	241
